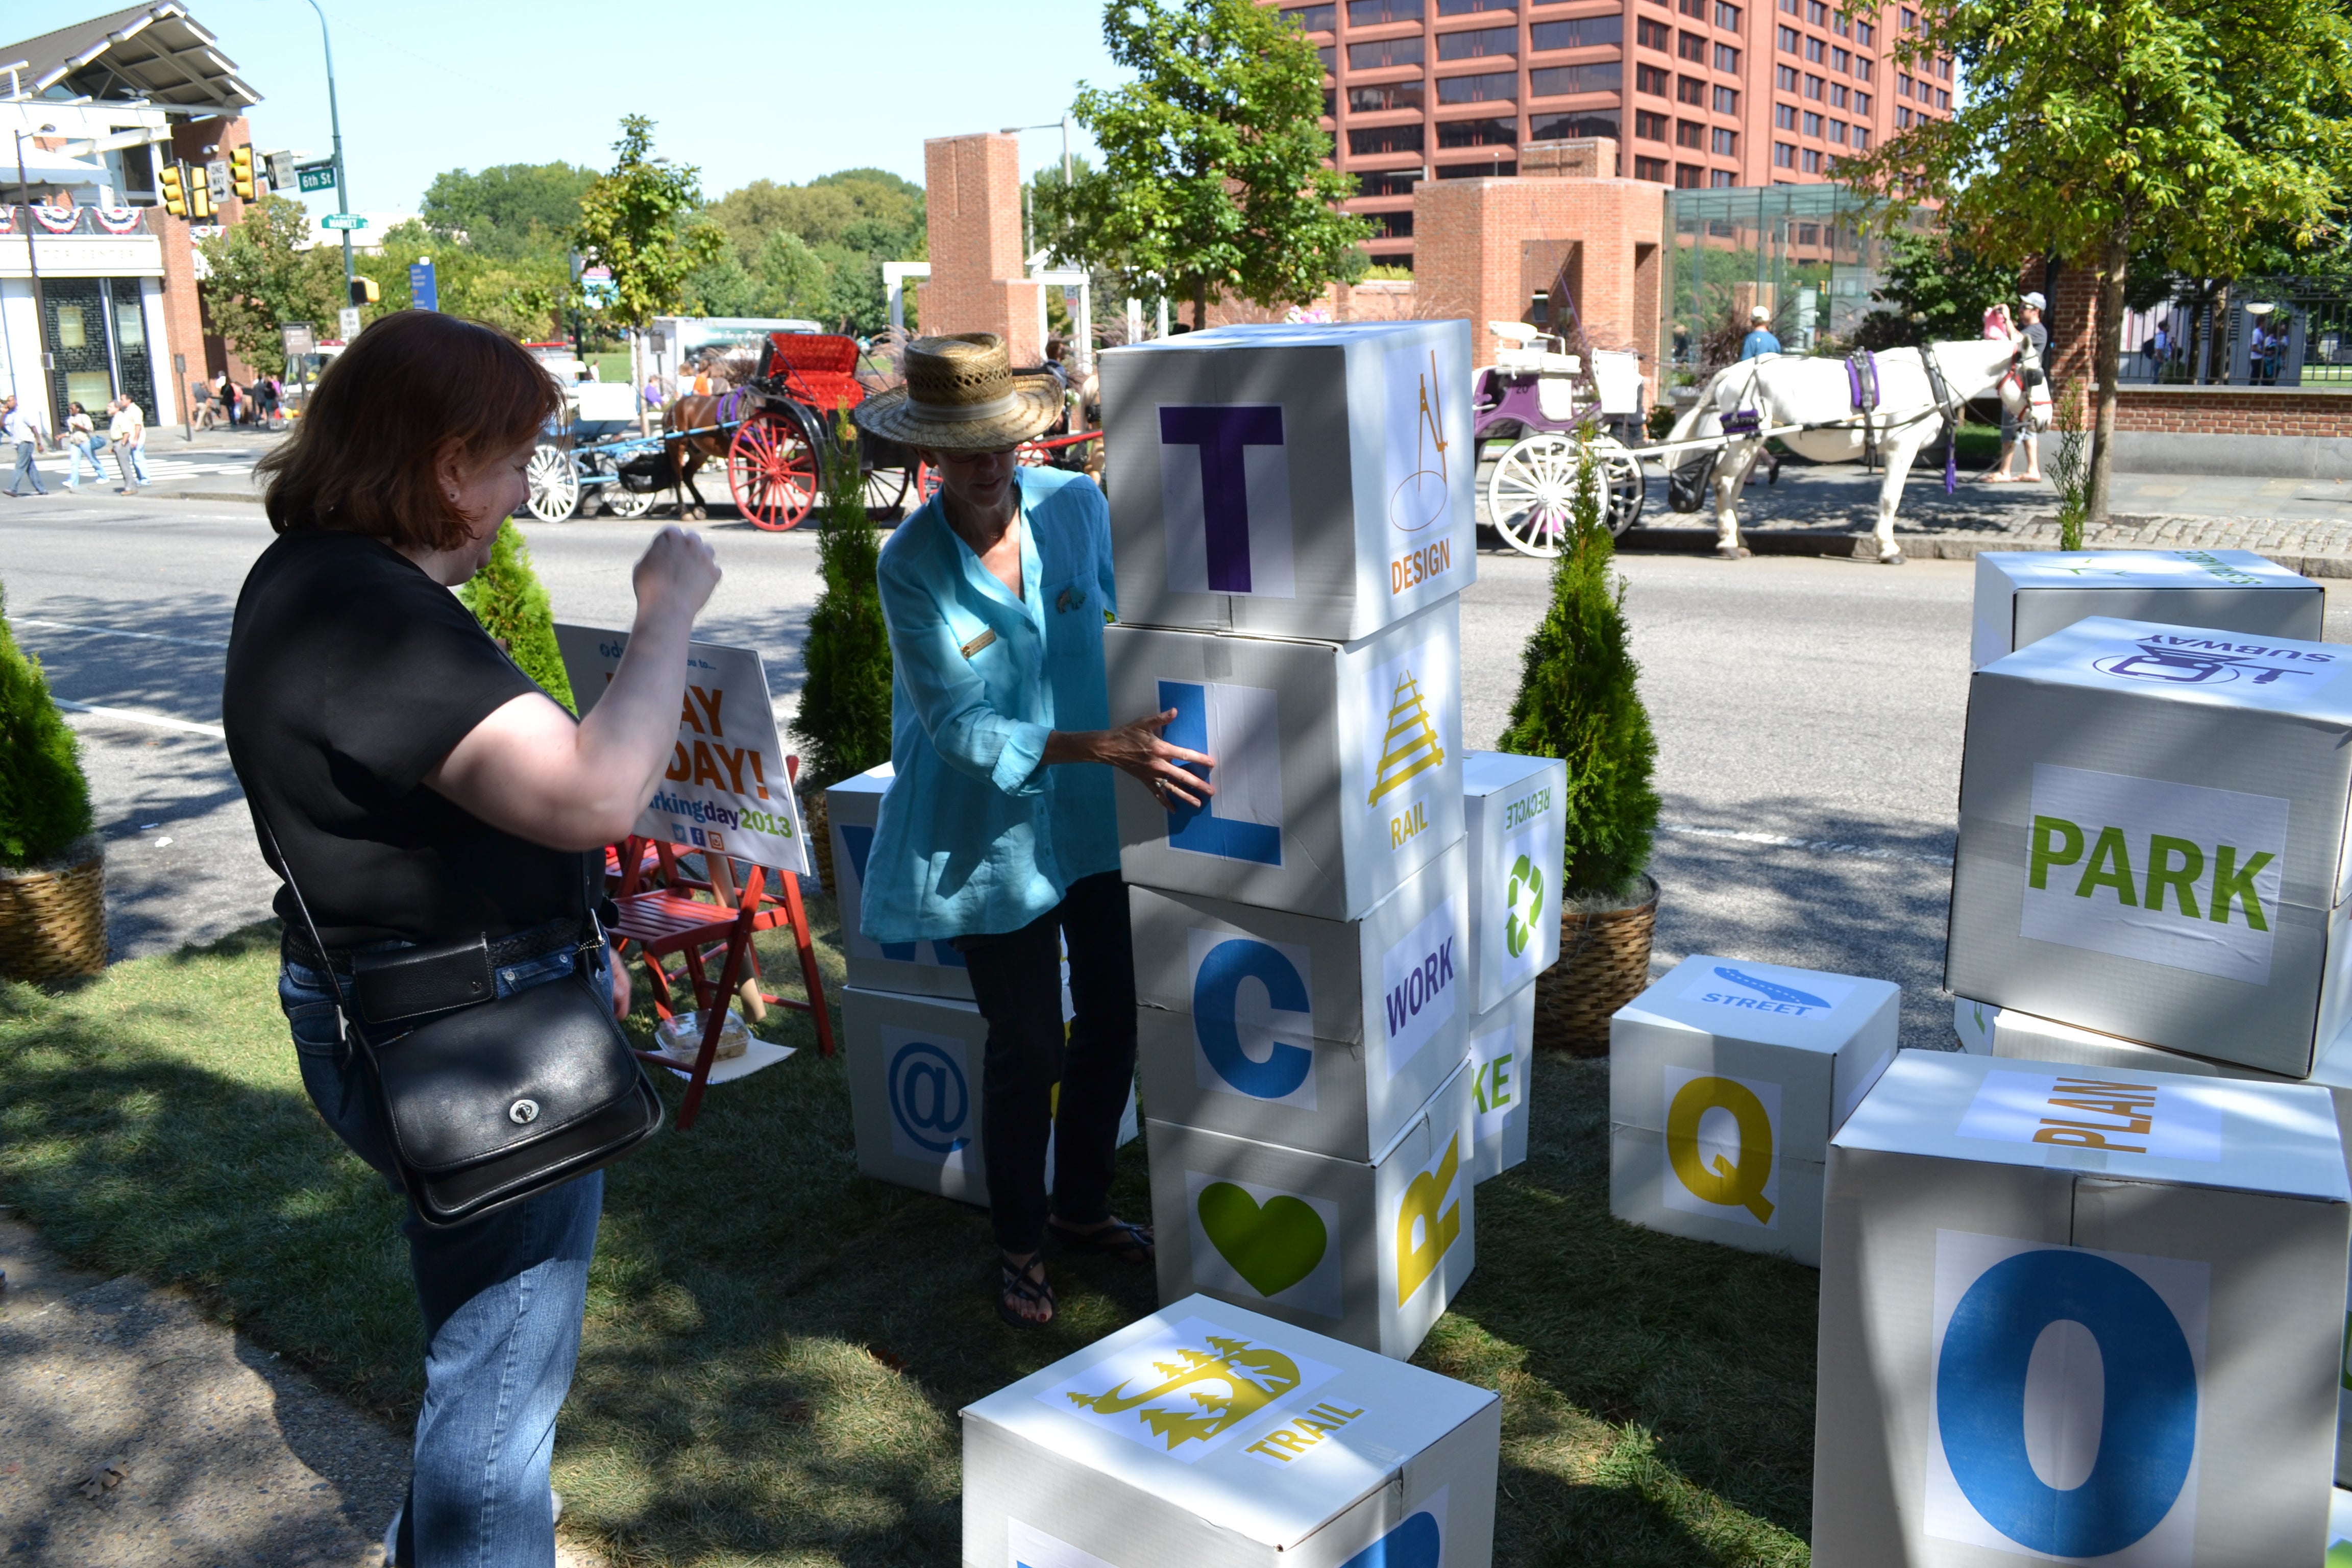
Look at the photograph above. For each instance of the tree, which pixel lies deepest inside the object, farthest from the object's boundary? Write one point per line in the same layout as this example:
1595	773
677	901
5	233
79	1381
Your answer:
1935	291
506	596
44	798
2095	129
844	721
509	212
520	294
1212	177
263	271
641	220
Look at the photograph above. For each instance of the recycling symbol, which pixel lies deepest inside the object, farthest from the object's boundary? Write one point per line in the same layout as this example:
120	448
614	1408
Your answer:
1525	897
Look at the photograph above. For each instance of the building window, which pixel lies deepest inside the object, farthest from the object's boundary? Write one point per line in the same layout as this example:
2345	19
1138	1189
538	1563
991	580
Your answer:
1496	87
1370	141
1689	134
1650	79
1910	19
1837	131
1943	70
1817	13
1388	183
1692	47
1786	39
1405	51
1902	84
1692	90
1726	16
1479	132
1559	81
1313	18
1386	96
1372	13
1812	123
1837	95
1464	7
1652	169
1815	49
1584	123
1477	43
1785	77
1813	160
1695	9
1727	100
1648	126
1841	60
1330	55
1784	117
1578	32
1721	178
1866	35
1727	59
1653	35
1784	156
1813	87
1390	226
1902	118
1727	142
1491	168
1794	7
1943	101
1861	140
1862	103
1839	25
1689	176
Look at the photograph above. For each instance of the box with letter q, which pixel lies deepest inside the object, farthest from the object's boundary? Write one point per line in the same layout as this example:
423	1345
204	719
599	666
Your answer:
1338	766
1216	1437
2024	595
2077	1314
1515	811
1369	1252
1326	1036
853	809
1725	1080
1312	482
2152	840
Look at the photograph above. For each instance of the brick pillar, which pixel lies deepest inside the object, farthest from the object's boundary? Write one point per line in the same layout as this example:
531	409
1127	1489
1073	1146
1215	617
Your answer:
2073	320
184	317
972	197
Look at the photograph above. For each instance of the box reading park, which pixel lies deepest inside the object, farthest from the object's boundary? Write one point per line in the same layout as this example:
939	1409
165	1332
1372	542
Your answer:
2024	596
1369	1253
1339	767
1209	1437
1326	1036
1515	812
853	808
2078	1314
1312	482
1725	1080
2152	839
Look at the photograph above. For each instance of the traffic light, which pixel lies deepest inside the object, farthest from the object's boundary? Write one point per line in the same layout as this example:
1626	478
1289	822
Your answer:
174	180
201	205
364	292
240	172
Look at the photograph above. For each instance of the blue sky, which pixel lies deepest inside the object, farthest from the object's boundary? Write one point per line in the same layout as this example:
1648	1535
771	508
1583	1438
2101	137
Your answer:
780	91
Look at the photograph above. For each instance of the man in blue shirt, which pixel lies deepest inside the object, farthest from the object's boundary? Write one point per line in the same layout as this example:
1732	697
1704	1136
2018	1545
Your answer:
1760	340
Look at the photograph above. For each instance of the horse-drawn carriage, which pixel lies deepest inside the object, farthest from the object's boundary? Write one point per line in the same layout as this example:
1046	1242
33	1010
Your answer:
1532	401
579	461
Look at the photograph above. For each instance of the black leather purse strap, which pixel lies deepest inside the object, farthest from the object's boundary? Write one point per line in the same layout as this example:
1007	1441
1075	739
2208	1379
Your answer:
343	1029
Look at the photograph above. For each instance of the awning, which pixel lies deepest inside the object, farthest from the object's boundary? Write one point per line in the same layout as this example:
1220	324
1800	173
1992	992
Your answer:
156	53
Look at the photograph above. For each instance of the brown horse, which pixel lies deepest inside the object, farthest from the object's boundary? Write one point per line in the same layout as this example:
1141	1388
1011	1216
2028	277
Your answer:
705	418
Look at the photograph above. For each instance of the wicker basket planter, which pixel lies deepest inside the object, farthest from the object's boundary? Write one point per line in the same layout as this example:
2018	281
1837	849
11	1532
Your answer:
819	832
53	917
1604	962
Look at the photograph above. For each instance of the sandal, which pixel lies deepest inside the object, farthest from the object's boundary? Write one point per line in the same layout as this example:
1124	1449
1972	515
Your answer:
1028	1285
1127	1242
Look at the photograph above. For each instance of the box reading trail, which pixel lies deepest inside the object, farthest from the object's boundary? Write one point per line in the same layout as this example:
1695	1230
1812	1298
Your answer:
2024	596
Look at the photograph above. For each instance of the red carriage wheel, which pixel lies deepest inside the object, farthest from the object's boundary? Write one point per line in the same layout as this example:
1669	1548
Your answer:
771	471
1033	455
926	482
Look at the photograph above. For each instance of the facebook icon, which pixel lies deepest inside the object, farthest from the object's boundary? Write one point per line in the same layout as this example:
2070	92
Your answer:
1225	484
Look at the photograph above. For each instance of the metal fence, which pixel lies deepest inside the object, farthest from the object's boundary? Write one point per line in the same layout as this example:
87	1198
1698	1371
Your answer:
2262	331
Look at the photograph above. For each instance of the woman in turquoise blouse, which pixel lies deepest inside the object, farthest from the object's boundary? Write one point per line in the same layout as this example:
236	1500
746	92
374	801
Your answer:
997	834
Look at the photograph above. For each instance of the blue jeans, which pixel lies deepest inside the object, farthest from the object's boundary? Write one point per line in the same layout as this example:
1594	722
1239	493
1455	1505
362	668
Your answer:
502	1297
24	470
76	451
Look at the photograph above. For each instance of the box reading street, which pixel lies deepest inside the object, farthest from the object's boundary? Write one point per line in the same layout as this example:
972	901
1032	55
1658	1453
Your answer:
2024	596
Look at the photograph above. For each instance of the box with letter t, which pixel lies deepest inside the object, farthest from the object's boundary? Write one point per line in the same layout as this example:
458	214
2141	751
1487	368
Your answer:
1216	1437
2152	840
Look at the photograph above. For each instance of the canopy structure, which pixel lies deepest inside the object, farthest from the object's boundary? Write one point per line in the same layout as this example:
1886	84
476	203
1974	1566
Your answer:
155	54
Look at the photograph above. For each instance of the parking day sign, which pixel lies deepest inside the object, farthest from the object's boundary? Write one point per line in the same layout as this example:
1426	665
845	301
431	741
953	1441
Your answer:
725	789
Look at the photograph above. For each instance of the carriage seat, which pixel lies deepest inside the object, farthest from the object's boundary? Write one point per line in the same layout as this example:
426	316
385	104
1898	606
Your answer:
1539	361
815	369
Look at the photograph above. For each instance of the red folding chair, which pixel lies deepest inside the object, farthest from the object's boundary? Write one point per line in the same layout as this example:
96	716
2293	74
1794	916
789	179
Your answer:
673	920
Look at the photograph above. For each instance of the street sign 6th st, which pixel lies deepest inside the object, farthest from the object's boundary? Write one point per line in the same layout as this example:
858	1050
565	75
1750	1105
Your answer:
315	176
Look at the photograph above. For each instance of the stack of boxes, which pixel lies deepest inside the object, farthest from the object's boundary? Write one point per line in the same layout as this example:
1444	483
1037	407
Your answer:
1515	811
1292	521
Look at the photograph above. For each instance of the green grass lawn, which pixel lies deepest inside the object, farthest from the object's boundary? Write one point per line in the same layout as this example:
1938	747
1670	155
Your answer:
776	1347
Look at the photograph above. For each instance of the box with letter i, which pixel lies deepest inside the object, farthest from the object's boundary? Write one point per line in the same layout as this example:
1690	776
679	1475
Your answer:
2152	840
1216	1437
2074	1314
1725	1080
2024	595
1310	482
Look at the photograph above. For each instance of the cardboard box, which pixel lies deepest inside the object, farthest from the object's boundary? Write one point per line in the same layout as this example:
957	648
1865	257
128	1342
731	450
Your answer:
2078	1314
1208	1437
1312	482
1726	1080
2152	839
914	1092
1369	1253
1515	811
1338	766
2339	1529
1326	1036
1502	1069
2024	596
852	808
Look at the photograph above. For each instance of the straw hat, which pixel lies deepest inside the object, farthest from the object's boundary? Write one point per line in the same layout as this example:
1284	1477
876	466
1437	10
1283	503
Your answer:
961	396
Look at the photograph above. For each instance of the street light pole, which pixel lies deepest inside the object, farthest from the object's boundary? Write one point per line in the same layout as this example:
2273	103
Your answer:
41	358
335	123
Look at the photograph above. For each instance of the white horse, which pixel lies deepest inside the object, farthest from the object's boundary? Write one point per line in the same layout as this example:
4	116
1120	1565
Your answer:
1911	409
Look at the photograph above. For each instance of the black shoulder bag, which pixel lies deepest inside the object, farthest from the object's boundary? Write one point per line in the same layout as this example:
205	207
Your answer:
489	1099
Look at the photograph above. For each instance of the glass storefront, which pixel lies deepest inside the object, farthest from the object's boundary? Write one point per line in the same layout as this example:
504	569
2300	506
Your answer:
97	332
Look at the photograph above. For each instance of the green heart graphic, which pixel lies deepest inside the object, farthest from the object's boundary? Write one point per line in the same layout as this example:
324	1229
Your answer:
1273	1247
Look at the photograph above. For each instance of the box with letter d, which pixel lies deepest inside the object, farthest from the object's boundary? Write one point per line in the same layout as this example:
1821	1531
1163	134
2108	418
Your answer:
2074	1314
1725	1080
1216	1437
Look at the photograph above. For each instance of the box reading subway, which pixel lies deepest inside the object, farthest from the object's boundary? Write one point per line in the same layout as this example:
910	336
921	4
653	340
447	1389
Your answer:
1308	481
2073	1313
1213	1437
2152	839
2024	595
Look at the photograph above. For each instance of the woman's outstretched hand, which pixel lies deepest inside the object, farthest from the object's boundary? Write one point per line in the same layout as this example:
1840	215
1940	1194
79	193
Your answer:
676	572
1136	748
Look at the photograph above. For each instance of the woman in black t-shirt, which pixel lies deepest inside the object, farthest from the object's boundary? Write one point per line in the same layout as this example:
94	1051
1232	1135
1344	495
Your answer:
423	789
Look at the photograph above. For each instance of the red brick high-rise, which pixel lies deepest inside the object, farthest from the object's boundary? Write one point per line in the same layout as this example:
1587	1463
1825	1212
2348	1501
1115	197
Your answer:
1696	92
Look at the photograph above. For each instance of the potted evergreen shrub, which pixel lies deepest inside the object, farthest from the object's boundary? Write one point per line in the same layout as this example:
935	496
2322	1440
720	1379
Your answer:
52	865
844	721
506	596
1577	701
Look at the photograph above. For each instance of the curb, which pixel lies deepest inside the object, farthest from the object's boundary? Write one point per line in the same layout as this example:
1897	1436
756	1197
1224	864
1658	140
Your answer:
1841	545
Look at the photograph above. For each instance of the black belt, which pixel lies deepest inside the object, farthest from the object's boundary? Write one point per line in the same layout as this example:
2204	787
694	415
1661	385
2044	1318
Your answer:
540	941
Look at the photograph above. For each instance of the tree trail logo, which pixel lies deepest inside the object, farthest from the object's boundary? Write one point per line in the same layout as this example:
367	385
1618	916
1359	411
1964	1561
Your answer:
1523	902
1745	991
2169	873
1417	986
2175	1121
931	1096
1224	496
1426	1223
1184	1388
1250	1239
1241	727
1253	1018
2067	1391
1722	1136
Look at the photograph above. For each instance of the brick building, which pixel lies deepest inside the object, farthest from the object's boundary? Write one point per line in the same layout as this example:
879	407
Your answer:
979	280
1697	93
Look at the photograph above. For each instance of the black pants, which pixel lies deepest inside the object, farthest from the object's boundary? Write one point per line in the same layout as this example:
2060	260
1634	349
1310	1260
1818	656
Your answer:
1016	979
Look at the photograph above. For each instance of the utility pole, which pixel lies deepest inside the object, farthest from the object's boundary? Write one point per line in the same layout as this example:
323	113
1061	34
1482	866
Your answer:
42	358
335	123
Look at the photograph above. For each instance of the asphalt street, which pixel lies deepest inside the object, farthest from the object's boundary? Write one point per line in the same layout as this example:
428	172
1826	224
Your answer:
1808	715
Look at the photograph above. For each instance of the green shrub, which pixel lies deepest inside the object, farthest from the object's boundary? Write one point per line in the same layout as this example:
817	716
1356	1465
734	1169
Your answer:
1577	701
511	602
2070	472
44	798
844	723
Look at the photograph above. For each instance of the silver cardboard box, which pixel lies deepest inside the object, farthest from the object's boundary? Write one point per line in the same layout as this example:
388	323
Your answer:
2152	839
852	808
1311	481
1501	1077
2024	595
1514	810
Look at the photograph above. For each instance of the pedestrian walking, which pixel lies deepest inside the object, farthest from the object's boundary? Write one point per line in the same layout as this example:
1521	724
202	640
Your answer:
422	791
81	442
126	432
1760	340
232	398
2017	428
18	426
